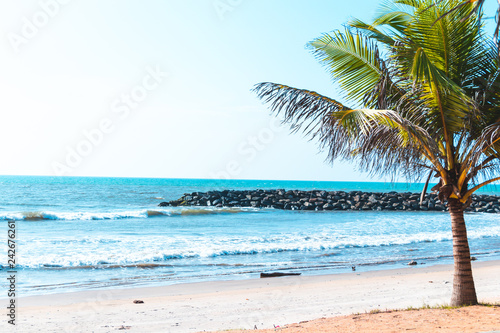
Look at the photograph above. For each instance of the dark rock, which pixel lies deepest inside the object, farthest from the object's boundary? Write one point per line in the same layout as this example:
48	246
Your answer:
268	275
307	206
267	202
328	206
439	207
323	200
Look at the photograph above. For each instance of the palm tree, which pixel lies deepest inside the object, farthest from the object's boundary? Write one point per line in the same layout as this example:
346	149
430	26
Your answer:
423	100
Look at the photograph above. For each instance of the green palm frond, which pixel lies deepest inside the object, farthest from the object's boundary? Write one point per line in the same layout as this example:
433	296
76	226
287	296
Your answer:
429	50
393	18
353	61
371	31
477	8
397	20
413	3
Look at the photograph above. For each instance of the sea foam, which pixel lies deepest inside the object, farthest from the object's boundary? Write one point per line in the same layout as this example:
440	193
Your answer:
115	215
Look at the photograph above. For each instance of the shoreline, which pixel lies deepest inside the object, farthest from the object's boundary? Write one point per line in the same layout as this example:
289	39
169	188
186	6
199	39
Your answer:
243	304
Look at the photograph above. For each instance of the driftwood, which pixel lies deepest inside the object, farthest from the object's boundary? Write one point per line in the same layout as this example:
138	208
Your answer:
268	275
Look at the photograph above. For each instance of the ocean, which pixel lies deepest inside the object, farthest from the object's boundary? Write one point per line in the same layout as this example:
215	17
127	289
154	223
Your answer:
81	233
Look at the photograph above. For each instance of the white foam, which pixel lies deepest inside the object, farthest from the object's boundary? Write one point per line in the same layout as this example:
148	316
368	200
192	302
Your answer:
125	250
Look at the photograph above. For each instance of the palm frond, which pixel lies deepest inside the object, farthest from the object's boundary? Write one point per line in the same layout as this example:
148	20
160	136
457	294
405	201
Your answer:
352	61
409	136
371	31
361	134
397	20
303	109
412	3
478	5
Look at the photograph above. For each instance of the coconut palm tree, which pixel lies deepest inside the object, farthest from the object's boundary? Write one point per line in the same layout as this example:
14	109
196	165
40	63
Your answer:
422	99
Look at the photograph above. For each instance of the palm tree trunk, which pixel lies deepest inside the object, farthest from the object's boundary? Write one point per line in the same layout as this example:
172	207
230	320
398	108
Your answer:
464	292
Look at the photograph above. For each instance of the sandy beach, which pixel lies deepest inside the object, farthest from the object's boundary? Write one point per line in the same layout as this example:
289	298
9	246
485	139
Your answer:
470	319
247	304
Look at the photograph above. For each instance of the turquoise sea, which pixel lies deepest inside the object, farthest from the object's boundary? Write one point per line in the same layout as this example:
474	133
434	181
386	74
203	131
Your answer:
78	233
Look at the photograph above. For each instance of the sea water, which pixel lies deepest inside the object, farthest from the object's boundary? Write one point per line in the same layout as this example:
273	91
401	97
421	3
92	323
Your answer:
77	233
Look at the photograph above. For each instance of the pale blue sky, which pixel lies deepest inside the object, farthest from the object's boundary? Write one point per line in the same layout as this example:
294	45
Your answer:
69	68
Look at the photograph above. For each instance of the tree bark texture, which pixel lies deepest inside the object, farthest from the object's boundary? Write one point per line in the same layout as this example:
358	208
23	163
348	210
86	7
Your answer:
464	291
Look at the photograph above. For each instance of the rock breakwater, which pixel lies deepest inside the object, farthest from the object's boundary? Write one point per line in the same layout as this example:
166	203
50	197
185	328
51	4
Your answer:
328	200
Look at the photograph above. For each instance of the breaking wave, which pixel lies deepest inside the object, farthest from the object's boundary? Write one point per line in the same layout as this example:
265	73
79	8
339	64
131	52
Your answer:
116	215
159	251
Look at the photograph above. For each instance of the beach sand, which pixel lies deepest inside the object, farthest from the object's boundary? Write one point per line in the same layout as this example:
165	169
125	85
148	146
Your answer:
466	319
261	303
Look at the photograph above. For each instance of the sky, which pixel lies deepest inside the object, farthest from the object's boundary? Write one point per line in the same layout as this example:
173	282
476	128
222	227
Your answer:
162	88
